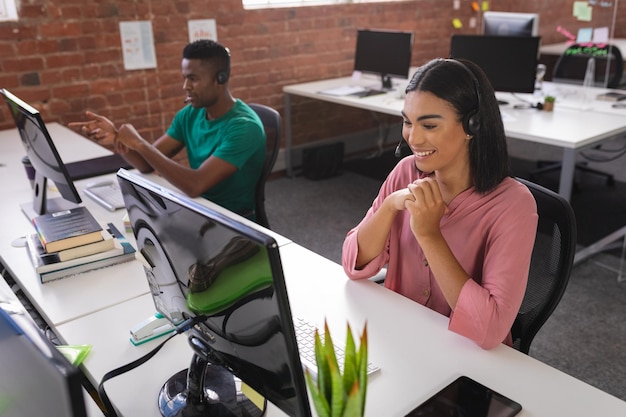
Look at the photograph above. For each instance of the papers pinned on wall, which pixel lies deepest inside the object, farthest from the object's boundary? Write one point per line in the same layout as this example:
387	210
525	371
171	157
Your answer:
202	29
138	45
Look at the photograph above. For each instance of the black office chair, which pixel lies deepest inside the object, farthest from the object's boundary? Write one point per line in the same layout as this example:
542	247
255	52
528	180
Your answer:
272	123
571	68
550	265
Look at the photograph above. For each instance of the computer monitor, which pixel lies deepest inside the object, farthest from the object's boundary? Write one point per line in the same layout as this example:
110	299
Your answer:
202	262
509	62
44	158
510	24
35	378
383	52
48	165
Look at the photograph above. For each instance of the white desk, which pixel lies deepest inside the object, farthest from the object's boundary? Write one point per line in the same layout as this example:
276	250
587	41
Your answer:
389	103
570	127
84	293
411	344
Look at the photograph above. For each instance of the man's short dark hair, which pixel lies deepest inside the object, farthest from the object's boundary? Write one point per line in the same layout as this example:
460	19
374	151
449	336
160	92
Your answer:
208	50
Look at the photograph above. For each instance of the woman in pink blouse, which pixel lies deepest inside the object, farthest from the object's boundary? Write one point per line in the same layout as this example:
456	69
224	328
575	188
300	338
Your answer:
455	231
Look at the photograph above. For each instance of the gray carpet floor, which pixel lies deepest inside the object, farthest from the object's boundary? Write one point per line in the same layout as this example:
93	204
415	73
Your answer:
586	335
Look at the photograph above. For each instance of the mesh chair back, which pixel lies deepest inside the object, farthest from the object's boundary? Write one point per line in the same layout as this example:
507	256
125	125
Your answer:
572	65
272	123
550	266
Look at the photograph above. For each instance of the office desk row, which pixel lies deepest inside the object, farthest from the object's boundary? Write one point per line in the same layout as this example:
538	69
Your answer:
576	123
101	288
411	344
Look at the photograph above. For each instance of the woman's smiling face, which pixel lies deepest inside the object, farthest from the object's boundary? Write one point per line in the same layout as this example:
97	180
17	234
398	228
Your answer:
432	129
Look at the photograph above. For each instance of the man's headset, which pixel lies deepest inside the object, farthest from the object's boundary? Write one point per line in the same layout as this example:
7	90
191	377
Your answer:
223	75
471	121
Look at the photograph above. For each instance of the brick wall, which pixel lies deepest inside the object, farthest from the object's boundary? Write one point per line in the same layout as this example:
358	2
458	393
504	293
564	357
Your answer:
65	57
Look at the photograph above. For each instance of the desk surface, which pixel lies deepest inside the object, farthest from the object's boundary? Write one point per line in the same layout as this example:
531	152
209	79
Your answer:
561	128
84	293
411	344
575	123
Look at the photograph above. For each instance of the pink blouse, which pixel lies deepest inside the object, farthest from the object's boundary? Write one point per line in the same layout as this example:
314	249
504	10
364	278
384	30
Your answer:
492	237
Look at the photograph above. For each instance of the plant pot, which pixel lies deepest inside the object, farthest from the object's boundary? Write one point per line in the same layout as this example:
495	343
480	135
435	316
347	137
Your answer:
548	106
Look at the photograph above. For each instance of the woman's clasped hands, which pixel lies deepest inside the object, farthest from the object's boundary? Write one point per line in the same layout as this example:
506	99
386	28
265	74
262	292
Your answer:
426	206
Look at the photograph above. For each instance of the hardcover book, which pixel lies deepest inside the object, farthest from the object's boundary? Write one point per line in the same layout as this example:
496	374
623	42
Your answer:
47	270
107	243
67	229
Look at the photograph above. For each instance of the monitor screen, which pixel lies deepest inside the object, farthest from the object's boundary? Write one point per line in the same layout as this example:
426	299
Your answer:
35	378
510	24
510	62
43	156
200	262
387	53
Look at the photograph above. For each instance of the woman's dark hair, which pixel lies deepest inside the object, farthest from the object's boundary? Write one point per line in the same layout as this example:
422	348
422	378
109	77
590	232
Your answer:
452	81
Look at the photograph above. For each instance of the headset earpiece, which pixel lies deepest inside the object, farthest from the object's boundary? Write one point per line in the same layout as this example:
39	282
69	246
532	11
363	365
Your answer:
223	75
471	122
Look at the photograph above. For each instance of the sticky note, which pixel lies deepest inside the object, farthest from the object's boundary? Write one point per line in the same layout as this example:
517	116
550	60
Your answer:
601	35
582	11
485	6
456	22
584	35
475	6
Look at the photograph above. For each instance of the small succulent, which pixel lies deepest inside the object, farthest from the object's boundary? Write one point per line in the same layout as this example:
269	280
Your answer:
549	99
337	394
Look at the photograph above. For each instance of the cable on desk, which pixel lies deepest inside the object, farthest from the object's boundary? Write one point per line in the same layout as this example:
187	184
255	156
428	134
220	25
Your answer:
109	410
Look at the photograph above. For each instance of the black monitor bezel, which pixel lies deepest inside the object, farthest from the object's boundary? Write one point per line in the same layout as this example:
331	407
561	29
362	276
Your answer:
69	374
380	64
232	222
496	57
522	20
53	169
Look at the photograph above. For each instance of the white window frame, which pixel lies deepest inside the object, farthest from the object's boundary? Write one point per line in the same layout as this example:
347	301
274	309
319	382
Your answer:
267	4
8	10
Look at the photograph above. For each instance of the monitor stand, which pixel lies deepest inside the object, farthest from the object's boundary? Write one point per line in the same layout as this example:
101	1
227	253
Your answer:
385	81
41	204
205	390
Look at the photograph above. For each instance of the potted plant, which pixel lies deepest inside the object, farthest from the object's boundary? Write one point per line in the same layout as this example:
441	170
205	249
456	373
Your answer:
548	103
337	393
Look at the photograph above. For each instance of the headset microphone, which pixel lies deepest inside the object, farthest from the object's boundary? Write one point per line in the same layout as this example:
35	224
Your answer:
398	152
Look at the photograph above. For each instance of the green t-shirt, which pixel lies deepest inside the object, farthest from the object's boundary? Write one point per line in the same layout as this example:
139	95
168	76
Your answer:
237	137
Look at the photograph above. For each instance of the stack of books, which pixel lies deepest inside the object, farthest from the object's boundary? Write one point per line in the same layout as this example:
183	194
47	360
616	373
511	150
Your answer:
72	241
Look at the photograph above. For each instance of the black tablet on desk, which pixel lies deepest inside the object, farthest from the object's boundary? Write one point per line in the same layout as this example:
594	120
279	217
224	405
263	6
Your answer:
465	397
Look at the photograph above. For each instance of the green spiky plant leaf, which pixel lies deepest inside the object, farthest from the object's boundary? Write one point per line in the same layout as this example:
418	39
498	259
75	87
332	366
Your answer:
336	392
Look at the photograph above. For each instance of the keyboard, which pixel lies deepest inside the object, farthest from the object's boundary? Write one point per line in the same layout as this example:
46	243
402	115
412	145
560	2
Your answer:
305	337
107	195
368	93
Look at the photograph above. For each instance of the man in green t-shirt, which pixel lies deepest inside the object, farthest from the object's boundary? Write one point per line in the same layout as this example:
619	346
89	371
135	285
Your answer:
223	137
